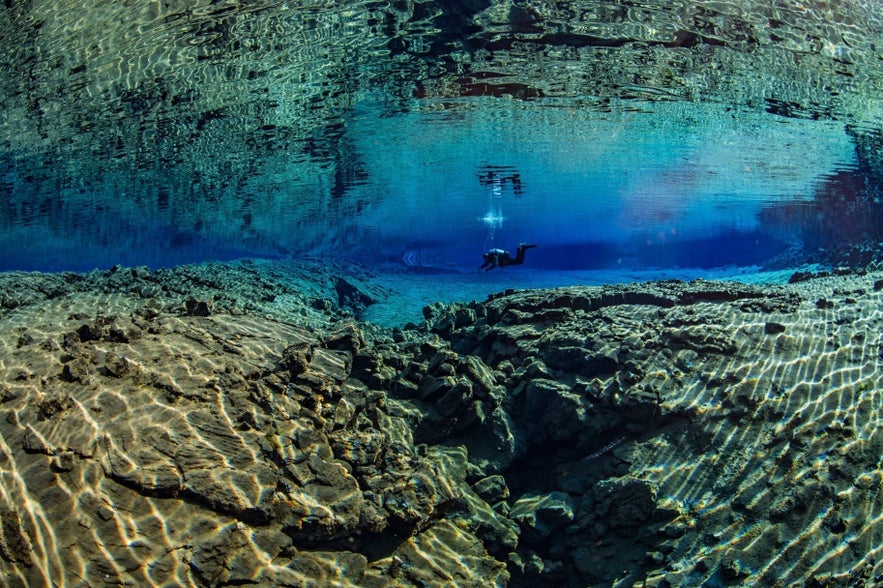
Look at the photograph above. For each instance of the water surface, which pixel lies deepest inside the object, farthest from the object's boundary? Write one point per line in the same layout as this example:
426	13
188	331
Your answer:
420	134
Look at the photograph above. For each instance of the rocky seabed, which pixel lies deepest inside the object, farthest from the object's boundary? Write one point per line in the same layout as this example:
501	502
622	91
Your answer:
238	425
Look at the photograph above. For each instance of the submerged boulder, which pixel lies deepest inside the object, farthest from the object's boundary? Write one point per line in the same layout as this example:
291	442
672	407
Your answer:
541	515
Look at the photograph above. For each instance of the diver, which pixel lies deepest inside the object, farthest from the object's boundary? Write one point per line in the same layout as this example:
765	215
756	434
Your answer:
500	258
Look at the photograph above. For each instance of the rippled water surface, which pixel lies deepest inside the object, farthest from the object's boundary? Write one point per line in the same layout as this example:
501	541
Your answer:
420	134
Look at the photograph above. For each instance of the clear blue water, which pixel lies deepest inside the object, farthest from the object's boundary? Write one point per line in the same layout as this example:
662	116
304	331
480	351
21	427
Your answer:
416	136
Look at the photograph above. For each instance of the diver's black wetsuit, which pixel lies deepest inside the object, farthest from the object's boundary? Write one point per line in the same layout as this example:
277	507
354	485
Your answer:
500	258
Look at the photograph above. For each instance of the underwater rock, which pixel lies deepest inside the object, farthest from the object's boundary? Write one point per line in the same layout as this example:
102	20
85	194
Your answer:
279	446
496	445
90	332
6	395
325	504
624	502
458	559
236	554
118	366
798	277
54	403
15	544
499	534
411	498
699	338
331	364
33	442
541	515
123	332
78	370
371	369
153	477
347	338
493	488
355	296
63	462
197	307
771	328
547	411
581	361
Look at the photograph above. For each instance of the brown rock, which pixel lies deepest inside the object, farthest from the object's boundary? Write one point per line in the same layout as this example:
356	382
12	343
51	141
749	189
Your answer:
116	365
53	403
78	370
15	544
196	307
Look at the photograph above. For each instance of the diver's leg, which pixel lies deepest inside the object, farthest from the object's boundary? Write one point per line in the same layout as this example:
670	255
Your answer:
519	255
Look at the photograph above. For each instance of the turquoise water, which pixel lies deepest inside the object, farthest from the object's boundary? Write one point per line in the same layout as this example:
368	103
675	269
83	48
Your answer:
410	292
422	134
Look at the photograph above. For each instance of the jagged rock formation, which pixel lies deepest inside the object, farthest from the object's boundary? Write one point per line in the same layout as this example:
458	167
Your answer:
666	434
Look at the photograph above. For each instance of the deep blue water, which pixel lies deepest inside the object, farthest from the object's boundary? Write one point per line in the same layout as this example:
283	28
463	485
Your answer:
419	135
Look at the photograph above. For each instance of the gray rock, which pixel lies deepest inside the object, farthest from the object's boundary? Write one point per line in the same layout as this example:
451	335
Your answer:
537	370
149	473
333	364
195	307
495	445
432	388
412	497
492	489
624	502
455	399
78	370
326	504
226	558
772	328
452	460
354	295
540	515
7	395
90	332
117	365
702	339
581	361
484	380
322	568
548	410
347	338
497	533
123	332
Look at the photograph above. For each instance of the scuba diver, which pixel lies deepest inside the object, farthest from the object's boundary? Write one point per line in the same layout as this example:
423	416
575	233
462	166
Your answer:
500	258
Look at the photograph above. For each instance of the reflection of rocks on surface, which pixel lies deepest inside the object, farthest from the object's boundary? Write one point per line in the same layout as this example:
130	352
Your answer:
581	436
